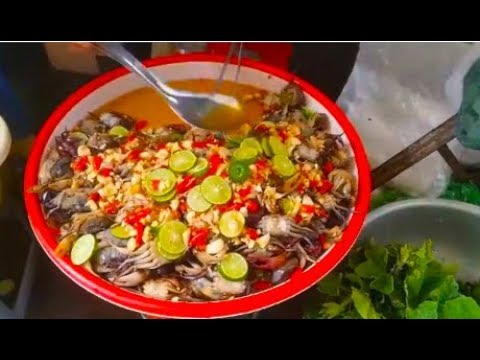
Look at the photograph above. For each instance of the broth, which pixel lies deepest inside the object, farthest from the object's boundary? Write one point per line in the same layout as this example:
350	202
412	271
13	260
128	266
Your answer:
146	104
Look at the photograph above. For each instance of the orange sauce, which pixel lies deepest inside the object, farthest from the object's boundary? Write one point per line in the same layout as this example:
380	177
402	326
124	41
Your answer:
146	104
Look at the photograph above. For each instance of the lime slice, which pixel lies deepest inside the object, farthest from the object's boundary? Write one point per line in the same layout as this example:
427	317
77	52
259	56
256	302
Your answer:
170	238
118	131
83	249
266	147
167	255
163	198
120	232
200	168
196	201
283	166
238	172
216	190
160	182
246	155
234	139
79	136
182	161
277	146
233	267
231	223
253	143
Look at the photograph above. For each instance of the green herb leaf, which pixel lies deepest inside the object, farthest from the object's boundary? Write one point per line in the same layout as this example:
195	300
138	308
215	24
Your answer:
330	284
426	310
364	305
447	290
331	310
413	286
462	307
383	283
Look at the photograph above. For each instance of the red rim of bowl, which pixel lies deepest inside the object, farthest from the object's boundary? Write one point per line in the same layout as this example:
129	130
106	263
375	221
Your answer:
46	236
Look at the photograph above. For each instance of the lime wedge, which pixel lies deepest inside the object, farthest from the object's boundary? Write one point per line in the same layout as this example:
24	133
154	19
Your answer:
200	168
163	198
196	201
283	166
118	131
182	161
233	267
231	223
246	155
120	232
160	182
167	255
83	249
253	143
277	146
266	147
170	238
216	190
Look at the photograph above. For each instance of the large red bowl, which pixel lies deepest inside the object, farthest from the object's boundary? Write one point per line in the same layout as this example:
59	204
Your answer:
120	81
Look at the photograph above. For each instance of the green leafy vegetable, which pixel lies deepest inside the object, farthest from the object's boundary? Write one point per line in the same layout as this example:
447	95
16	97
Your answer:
394	282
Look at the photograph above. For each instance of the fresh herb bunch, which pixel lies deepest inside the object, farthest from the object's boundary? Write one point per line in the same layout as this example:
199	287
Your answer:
393	282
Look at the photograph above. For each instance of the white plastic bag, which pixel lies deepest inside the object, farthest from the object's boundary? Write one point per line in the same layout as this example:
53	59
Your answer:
397	93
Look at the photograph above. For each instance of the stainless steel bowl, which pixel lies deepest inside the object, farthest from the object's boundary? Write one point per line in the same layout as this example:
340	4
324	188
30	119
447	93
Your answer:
453	226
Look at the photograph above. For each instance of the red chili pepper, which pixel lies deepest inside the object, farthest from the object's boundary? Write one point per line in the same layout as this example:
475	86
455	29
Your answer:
141	124
182	207
261	164
140	229
325	187
131	137
328	167
112	207
322	239
243	193
252	233
80	163
308	209
95	196
134	154
321	213
155	184
283	135
161	146
297	219
97	162
135	216
313	184
186	184
198	238
301	188
215	161
261	285
252	206
105	172
199	144
229	206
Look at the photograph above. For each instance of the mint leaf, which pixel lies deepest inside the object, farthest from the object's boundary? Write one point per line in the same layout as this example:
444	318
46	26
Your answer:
330	284
426	310
369	269
413	286
6	287
460	308
331	310
364	305
447	290
383	283
355	280
377	254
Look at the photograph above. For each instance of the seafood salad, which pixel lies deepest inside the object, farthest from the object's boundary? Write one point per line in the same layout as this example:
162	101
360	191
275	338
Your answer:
190	215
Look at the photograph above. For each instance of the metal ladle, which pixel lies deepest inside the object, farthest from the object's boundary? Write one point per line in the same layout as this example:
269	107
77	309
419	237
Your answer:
193	108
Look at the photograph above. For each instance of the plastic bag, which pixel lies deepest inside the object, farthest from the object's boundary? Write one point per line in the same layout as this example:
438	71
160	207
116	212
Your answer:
398	92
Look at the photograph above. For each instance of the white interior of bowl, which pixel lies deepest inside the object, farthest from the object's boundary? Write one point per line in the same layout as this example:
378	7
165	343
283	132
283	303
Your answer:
183	71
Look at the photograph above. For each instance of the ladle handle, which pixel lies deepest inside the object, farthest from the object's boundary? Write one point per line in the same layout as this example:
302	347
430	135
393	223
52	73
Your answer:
118	53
